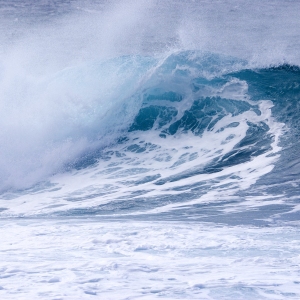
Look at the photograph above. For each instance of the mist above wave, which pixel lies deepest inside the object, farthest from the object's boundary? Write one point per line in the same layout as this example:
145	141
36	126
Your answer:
75	31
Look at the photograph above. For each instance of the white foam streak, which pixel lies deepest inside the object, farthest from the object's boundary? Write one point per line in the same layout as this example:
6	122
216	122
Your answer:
116	179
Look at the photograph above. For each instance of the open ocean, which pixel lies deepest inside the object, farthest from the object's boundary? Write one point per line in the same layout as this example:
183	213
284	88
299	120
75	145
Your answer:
149	149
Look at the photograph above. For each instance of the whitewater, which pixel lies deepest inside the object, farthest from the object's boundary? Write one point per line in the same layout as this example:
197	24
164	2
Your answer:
150	149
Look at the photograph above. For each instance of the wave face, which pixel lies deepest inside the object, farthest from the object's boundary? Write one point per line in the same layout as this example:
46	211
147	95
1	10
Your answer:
149	149
188	131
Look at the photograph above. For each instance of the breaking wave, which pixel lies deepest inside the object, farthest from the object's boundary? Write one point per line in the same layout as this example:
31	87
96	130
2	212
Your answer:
139	133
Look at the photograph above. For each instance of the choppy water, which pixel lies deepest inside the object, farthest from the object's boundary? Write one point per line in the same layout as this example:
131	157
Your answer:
149	151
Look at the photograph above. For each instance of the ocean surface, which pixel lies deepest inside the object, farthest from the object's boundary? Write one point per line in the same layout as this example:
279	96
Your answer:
149	149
